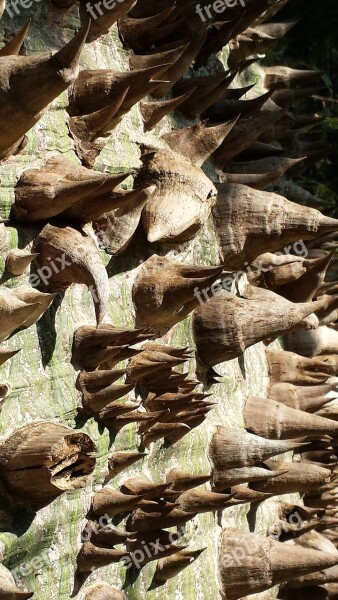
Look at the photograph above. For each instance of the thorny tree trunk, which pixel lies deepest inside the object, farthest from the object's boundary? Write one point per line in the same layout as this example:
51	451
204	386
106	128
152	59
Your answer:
41	550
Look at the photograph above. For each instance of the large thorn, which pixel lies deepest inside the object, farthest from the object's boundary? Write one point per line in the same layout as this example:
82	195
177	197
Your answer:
275	563
178	183
115	229
165	292
14	46
49	191
274	420
38	80
258	317
42	460
287	224
76	259
199	142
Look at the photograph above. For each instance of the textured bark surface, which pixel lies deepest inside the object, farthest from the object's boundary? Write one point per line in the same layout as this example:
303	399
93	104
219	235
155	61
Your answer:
42	378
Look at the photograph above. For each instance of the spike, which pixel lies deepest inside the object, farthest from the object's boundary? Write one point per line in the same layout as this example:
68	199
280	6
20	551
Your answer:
272	271
97	380
223	479
324	340
201	501
60	184
112	502
245	495
240	241
7	354
178	183
155	516
154	360
164	291
249	43
153	112
115	229
167	568
118	461
245	133
258	174
103	399
296	478
67	246
284	77
145	418
307	398
153	551
231	449
106	16
175	401
225	325
247	17
171	432
13	313
277	30
204	91
50	75
329	410
136	32
13	47
141	486
287	97
96	346
93	557
271	419
303	515
86	129
198	142
150	370
18	261
90	209
186	52
95	90
228	108
106	536
183	481
264	563
42	460
288	367
308	284
33	297
328	315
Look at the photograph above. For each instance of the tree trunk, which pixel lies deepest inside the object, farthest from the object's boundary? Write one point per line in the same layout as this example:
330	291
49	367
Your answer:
41	549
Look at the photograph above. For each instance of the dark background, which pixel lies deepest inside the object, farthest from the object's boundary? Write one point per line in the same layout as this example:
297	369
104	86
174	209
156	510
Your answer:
313	43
